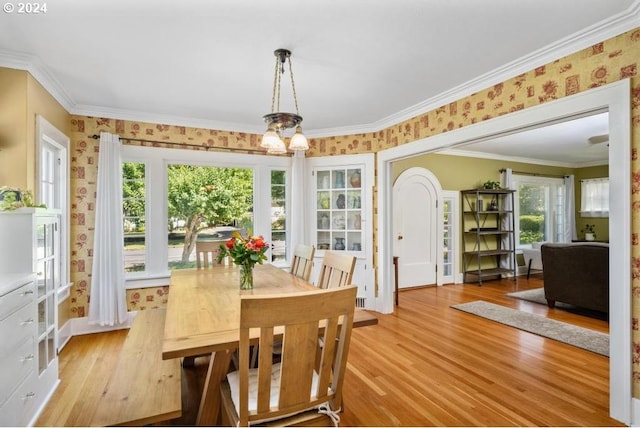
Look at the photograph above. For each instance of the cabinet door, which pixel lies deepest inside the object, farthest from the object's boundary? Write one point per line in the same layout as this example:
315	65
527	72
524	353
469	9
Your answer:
339	209
48	280
340	213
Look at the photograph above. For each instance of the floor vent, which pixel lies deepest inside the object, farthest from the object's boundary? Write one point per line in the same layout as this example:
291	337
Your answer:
360	302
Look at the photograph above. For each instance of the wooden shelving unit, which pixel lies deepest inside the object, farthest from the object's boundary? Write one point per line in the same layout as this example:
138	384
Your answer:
488	234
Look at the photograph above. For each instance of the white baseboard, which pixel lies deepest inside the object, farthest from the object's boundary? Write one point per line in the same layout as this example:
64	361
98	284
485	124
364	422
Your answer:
64	335
78	326
81	325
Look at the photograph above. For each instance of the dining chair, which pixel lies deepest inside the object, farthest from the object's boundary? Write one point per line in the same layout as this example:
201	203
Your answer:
206	258
336	270
207	254
302	261
294	390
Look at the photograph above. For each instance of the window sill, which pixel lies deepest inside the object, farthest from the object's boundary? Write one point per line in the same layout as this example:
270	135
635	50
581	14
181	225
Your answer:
160	280
594	214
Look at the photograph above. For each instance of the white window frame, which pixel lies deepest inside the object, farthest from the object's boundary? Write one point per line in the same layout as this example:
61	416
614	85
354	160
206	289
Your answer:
551	227
157	159
51	139
587	201
287	210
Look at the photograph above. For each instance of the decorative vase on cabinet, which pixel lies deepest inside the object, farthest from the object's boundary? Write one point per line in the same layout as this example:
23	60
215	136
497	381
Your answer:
339	244
354	179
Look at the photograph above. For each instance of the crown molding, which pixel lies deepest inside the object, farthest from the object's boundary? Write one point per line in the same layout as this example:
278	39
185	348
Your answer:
532	161
33	64
164	119
599	32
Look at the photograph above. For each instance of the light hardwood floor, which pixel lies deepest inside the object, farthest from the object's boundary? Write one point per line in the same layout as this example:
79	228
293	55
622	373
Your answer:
424	365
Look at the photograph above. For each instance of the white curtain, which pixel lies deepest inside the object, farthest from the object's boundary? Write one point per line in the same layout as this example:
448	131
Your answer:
569	232
107	305
508	242
297	214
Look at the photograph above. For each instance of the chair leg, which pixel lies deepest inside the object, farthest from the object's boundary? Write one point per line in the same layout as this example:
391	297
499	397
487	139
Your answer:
529	268
188	361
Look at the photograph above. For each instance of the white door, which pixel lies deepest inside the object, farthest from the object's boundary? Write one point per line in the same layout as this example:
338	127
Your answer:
415	221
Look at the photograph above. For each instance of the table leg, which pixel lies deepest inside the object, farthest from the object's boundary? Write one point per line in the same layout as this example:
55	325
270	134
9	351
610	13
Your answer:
209	411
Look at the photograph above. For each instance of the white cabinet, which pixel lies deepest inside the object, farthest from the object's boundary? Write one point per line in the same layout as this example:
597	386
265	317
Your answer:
29	279
340	199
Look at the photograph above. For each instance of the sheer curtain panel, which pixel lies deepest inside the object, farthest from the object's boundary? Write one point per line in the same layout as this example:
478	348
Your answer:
569	232
107	305
298	215
506	181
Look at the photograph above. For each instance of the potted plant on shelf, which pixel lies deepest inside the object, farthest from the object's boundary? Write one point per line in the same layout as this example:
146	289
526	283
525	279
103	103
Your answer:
589	232
491	185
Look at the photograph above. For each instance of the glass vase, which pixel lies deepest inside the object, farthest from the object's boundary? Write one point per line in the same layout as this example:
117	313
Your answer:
246	277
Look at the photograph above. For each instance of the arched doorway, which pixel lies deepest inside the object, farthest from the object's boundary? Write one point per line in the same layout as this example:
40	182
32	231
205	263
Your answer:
415	224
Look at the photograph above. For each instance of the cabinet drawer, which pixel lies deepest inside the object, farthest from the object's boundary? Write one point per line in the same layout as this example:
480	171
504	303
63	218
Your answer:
15	368
15	328
20	407
14	300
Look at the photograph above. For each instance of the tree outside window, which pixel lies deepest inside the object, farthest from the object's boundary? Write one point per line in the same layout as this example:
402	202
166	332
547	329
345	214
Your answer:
200	200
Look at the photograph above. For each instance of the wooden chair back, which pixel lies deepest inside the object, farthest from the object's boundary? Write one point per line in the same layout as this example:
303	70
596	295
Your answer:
296	385
302	261
207	254
336	270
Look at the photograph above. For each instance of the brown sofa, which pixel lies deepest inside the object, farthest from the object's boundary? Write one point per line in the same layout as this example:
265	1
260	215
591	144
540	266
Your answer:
577	273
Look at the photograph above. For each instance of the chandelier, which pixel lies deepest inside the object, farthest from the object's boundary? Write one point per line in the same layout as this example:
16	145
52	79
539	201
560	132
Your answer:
278	121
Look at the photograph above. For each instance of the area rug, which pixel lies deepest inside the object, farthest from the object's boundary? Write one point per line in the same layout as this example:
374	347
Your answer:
580	337
536	295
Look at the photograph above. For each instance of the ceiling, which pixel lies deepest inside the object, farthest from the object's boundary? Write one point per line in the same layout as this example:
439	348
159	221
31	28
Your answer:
359	66
578	142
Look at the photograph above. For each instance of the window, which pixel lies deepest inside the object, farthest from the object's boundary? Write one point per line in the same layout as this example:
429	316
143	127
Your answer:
539	209
594	201
52	181
278	216
205	203
159	186
133	215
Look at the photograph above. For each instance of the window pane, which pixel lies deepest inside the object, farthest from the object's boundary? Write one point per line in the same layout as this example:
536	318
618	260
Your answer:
279	222
205	203
533	211
133	211
595	197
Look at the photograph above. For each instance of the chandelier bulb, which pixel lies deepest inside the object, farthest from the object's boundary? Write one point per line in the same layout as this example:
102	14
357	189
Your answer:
299	141
270	138
277	148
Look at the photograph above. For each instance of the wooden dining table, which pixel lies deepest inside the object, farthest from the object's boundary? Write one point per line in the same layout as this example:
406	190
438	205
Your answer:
203	317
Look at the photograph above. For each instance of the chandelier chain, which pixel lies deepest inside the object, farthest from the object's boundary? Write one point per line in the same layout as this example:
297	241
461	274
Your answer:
275	85
293	87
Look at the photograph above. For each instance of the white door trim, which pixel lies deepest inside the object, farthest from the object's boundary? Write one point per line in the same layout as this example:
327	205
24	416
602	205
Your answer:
616	98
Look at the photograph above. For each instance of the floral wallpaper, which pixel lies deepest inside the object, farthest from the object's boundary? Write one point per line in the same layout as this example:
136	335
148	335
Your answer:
606	62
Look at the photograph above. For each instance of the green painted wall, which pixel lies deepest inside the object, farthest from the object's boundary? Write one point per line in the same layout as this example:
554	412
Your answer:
460	173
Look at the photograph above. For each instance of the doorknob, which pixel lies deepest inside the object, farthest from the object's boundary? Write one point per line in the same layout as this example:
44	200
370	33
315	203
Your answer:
400	237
